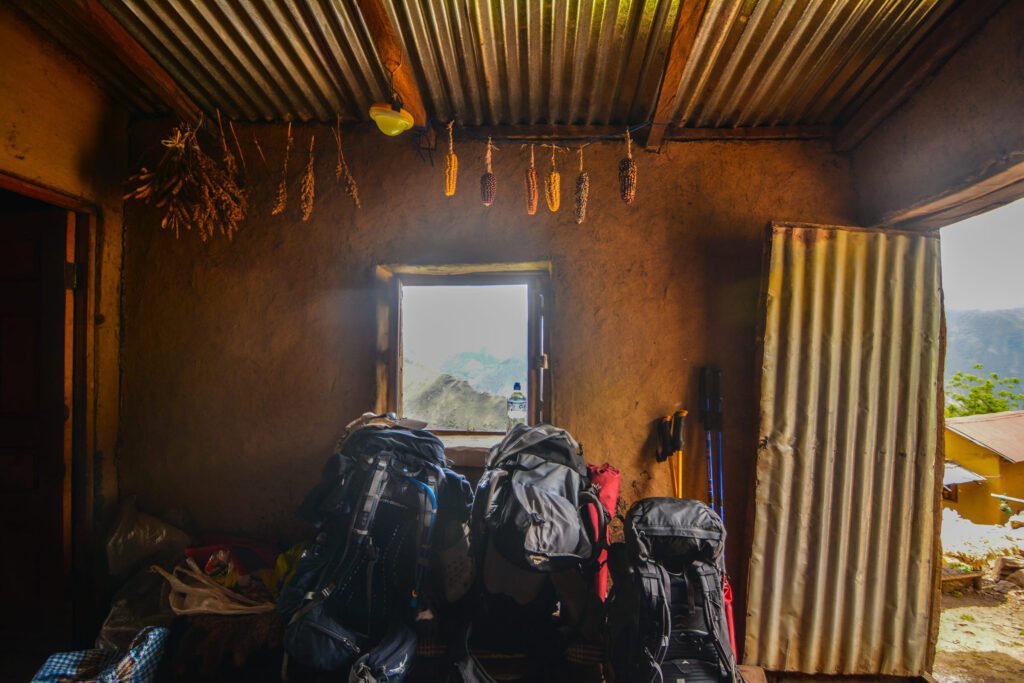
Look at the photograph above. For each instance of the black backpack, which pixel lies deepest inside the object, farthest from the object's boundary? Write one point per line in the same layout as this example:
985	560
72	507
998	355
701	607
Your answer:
666	609
535	547
385	505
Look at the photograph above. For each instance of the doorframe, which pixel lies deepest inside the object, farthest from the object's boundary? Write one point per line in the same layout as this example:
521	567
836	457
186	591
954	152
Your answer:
78	500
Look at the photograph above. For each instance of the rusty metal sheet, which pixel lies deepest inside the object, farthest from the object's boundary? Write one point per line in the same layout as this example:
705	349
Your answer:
842	569
795	62
515	62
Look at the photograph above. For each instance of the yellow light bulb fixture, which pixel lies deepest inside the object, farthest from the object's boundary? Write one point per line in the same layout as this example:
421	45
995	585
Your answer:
392	119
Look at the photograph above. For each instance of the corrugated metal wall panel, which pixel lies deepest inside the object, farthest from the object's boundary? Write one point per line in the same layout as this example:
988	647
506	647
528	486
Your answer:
842	567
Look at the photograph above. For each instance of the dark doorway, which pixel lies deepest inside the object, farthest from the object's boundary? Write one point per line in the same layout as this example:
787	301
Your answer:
36	377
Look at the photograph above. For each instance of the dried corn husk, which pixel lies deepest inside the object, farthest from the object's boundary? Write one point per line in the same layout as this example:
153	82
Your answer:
309	183
553	185
342	171
451	165
190	189
531	186
627	173
282	189
582	192
488	182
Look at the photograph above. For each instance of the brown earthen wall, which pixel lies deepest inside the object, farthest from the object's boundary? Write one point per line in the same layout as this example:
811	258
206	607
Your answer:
960	127
243	360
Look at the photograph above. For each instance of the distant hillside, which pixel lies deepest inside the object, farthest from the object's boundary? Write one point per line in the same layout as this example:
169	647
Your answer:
447	402
485	372
993	338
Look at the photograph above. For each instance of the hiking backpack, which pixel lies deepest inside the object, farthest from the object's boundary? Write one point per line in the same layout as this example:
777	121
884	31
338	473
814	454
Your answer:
666	610
535	545
392	541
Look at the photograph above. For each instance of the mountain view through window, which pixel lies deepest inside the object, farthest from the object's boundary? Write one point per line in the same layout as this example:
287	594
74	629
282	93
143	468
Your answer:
463	349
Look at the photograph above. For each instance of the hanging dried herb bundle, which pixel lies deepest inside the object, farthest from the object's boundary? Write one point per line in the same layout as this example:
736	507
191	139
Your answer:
451	165
553	185
531	186
341	170
488	182
282	189
230	163
309	183
582	192
627	173
238	147
191	189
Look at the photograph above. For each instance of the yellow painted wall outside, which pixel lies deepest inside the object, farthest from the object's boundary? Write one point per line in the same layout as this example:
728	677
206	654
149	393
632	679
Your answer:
975	501
59	130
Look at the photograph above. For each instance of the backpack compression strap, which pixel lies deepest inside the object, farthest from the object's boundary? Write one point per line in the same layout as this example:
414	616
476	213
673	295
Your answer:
655	618
424	533
713	596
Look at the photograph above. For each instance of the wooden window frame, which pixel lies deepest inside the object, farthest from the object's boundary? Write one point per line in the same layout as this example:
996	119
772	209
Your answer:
536	277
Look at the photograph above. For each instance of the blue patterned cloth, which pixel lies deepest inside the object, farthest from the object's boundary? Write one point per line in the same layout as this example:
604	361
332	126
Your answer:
137	665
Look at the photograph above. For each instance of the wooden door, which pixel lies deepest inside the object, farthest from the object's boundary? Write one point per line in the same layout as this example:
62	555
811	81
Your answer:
35	338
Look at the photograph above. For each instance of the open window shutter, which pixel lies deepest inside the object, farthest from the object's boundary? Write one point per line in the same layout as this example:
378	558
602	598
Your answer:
540	373
843	564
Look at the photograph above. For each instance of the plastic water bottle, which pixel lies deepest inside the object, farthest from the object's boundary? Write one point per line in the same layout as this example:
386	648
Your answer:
516	406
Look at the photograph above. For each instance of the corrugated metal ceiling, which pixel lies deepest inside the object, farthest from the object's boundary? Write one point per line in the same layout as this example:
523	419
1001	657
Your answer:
516	62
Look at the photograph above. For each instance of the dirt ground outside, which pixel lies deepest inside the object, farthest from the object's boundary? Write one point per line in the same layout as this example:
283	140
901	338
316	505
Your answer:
981	637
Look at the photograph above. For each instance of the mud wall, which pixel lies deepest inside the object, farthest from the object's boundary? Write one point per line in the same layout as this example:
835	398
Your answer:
60	131
961	127
244	359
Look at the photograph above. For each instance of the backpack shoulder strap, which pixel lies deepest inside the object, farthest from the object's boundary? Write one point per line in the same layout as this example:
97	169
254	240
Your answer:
714	616
654	584
424	533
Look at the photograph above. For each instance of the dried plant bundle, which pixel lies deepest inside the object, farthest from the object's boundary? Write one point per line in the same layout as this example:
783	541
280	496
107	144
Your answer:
230	163
531	186
488	181
282	189
190	189
451	165
553	185
627	173
341	170
309	183
582	192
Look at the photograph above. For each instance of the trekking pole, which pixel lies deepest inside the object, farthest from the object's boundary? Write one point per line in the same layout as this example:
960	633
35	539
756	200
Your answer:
678	443
719	419
705	418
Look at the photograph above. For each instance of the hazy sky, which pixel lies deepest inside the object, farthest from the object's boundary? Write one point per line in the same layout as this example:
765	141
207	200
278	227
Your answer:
983	260
439	321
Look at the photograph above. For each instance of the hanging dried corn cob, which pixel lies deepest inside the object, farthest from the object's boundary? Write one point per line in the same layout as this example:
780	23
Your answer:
488	183
582	191
531	186
309	183
282	190
627	173
451	165
553	185
341	170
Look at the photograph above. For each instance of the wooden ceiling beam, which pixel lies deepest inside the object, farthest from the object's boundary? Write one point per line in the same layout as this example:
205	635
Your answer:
684	35
391	54
952	30
107	29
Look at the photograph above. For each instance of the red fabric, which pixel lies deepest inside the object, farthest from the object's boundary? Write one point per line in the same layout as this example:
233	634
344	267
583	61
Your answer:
727	594
248	554
606	480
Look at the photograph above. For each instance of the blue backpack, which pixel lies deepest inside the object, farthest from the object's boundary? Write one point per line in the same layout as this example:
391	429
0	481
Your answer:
391	516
